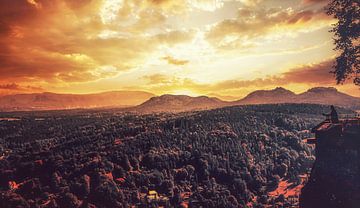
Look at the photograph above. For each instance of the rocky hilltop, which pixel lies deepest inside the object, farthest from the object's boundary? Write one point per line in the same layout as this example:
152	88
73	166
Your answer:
176	103
328	95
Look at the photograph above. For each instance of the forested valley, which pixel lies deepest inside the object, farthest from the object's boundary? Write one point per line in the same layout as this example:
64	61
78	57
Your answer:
229	157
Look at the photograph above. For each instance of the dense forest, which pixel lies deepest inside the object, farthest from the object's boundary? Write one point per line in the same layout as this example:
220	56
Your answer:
228	157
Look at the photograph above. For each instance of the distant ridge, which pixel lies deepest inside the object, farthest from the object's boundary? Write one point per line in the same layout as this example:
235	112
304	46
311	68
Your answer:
145	102
277	95
53	101
329	95
317	95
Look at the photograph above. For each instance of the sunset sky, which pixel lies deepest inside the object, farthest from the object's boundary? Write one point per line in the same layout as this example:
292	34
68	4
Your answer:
224	48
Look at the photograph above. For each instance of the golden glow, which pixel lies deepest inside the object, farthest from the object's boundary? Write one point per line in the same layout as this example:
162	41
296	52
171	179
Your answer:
208	5
226	48
34	3
184	92
109	10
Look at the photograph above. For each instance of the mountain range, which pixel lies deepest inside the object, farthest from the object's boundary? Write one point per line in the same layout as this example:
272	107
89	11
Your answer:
317	95
145	102
53	101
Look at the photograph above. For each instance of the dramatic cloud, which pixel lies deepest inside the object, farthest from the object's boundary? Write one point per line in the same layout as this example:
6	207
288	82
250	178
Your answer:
162	46
312	74
260	22
62	42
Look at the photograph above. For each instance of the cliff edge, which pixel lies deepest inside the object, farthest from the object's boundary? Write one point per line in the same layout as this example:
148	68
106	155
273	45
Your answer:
334	181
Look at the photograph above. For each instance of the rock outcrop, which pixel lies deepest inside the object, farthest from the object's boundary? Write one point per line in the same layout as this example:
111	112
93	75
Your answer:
335	178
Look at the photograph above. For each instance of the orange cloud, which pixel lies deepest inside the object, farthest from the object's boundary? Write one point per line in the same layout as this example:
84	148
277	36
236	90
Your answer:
35	44
64	44
66	40
312	74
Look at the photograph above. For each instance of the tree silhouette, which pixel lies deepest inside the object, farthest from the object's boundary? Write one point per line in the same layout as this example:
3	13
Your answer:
346	37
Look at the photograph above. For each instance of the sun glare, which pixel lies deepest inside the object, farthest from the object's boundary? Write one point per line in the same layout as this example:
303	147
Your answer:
109	10
184	92
195	45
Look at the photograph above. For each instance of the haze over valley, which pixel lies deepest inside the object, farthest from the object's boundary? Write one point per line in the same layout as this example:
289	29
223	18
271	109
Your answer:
145	102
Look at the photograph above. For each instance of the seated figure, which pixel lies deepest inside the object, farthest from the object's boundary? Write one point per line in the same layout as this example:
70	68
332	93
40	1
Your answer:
334	118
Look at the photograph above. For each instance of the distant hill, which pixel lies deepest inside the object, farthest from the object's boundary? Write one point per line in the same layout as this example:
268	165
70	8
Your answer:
53	101
178	103
330	95
318	95
277	95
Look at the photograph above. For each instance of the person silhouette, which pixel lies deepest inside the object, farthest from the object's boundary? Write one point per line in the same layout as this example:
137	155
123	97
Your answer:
334	118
